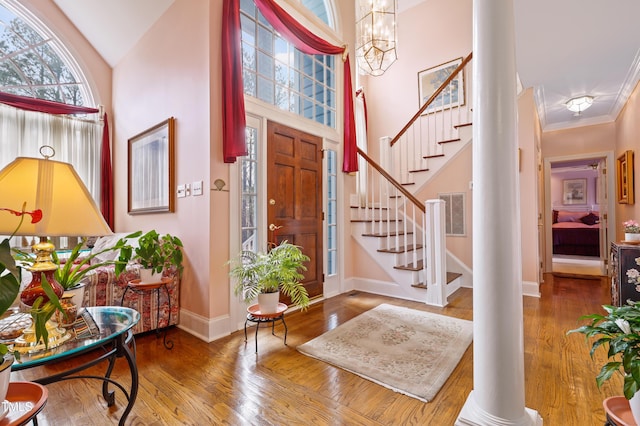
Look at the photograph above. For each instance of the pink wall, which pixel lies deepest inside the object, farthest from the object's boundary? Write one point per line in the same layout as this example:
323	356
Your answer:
168	74
628	137
529	159
580	140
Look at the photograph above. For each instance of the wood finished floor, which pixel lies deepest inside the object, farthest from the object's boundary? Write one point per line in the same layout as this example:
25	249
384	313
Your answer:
225	383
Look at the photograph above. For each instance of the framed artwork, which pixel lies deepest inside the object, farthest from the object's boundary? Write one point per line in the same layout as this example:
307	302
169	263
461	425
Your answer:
624	178
151	169
431	79
574	191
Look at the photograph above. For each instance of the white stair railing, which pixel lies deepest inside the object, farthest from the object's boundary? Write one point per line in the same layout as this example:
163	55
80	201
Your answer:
435	124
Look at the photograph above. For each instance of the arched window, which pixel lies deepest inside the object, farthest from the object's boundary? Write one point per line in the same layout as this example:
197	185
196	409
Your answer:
34	63
279	74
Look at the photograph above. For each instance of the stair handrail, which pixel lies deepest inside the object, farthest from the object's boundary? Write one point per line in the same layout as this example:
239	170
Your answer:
435	94
393	182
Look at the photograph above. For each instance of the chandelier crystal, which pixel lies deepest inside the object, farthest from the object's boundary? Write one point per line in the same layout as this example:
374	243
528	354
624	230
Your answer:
376	35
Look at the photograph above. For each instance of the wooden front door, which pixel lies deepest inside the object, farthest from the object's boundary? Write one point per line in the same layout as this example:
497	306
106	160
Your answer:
294	196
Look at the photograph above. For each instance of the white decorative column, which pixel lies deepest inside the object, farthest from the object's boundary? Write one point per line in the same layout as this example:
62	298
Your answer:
498	353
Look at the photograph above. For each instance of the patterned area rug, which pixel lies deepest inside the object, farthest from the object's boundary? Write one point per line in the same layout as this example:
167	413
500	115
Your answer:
409	351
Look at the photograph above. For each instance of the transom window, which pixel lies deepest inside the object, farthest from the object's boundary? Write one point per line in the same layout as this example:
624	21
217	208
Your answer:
277	73
33	62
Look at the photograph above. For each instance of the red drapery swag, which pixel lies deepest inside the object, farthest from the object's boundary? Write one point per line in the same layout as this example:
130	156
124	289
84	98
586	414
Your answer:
302	39
50	107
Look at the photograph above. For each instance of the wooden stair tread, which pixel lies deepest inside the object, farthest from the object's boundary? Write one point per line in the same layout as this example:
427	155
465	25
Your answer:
433	156
386	234
410	267
457	126
419	170
375	220
449	141
401	249
370	207
450	277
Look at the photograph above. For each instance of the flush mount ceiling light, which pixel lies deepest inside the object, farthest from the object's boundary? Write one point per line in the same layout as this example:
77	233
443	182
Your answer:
579	104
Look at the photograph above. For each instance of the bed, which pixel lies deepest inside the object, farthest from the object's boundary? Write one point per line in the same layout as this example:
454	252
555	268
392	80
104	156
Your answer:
576	233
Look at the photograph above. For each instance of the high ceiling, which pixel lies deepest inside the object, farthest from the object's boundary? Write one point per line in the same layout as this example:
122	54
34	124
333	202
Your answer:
564	48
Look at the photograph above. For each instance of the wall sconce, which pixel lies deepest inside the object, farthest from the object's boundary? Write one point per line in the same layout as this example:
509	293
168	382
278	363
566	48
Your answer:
219	185
376	35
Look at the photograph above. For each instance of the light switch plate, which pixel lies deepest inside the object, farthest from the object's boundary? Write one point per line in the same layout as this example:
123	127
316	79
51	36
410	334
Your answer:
197	188
182	191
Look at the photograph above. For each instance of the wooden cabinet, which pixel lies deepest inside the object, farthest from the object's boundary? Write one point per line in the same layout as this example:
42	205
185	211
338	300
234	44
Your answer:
625	273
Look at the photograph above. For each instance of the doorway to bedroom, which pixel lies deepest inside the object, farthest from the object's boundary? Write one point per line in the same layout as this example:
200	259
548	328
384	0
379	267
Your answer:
578	213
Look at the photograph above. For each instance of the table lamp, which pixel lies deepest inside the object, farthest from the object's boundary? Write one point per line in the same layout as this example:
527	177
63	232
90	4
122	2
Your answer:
67	210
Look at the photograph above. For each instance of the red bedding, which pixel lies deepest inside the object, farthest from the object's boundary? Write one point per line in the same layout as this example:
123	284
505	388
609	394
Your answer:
576	238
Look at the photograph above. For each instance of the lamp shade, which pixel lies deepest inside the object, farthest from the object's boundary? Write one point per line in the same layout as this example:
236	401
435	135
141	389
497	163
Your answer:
55	188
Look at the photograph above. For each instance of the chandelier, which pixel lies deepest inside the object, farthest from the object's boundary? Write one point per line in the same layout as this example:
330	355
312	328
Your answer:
376	35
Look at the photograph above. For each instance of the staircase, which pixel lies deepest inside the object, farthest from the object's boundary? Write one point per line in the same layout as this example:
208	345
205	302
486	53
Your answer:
404	235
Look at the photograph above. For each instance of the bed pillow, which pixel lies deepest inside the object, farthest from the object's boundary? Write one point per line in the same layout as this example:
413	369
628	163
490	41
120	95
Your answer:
566	216
590	219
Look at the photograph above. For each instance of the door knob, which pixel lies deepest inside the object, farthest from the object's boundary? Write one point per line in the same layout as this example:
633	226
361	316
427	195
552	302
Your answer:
273	227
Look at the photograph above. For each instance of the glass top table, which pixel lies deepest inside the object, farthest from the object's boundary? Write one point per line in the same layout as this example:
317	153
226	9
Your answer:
114	338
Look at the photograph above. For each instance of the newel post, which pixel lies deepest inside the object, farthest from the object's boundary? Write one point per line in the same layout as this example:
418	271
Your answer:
436	253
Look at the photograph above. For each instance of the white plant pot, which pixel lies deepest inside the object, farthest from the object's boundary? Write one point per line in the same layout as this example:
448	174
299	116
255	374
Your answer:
631	237
5	376
268	302
148	276
77	295
634	403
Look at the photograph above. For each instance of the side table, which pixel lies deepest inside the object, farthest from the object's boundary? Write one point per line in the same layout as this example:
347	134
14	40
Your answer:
139	287
254	315
618	411
24	401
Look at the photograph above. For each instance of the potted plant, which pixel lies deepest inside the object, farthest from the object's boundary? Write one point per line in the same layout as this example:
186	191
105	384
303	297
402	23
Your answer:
619	333
631	230
269	273
154	253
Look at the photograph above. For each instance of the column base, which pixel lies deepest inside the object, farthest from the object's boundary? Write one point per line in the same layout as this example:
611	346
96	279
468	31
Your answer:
471	415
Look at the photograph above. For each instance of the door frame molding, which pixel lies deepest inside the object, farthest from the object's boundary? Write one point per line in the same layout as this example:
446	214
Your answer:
611	207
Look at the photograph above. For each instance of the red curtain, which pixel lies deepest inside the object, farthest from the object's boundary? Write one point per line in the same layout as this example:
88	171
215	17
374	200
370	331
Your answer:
106	177
233	114
301	38
50	107
40	105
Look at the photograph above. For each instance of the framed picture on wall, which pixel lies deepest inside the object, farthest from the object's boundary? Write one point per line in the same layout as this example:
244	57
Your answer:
624	178
431	79
152	169
574	191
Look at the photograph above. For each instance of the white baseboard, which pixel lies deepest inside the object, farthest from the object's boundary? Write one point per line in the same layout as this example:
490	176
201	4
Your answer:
204	328
530	288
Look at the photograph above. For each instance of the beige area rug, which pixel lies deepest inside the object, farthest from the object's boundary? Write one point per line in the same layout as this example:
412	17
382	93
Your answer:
409	351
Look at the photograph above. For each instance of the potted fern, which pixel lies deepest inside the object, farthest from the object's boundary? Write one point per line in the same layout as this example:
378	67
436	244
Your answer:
264	275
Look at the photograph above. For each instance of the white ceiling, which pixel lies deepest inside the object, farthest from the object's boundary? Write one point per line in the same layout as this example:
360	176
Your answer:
564	48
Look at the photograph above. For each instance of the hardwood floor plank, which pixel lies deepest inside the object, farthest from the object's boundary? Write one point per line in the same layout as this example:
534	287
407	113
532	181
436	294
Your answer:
226	383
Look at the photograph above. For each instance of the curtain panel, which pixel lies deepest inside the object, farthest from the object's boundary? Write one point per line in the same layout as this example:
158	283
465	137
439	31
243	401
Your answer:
296	34
30	123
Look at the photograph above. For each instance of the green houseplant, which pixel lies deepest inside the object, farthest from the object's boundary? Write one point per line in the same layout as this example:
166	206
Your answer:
619	333
270	272
154	251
